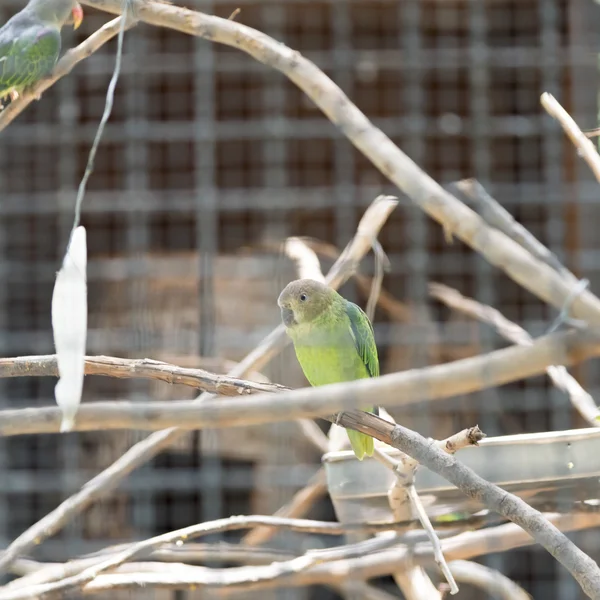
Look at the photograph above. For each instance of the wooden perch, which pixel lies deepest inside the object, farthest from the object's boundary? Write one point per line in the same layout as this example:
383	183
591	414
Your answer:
397	389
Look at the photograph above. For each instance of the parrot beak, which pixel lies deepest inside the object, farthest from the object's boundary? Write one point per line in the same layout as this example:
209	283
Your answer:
77	13
287	316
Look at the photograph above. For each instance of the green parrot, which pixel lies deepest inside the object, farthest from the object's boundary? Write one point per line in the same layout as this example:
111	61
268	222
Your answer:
333	339
30	43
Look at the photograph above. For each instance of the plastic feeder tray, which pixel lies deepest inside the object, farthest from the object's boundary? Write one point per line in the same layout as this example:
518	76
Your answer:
541	468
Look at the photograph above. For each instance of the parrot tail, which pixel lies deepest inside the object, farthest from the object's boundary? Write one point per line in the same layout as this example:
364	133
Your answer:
362	444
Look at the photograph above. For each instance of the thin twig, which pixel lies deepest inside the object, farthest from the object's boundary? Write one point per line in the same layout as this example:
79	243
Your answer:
437	549
404	490
381	265
584	145
370	224
581	400
64	66
455	217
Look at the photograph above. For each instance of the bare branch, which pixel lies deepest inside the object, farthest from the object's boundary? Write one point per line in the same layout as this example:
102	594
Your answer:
397	389
451	213
382	263
584	145
153	369
581	400
145	368
64	66
372	221
192	553
497	216
428	527
490	580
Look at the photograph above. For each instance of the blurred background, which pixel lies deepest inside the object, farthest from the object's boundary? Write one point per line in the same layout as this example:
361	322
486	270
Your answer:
209	162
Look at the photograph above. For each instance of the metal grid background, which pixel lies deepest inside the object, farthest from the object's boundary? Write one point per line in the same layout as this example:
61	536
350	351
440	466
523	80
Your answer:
208	151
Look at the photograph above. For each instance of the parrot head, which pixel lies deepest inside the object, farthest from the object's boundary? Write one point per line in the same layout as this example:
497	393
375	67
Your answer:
58	12
304	300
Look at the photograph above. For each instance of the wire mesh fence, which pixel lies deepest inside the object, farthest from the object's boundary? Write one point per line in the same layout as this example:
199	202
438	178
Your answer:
209	162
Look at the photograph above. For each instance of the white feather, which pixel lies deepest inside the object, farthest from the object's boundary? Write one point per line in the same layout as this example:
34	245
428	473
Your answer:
69	327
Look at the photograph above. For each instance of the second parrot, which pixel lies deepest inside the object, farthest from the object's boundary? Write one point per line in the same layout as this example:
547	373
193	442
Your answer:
30	43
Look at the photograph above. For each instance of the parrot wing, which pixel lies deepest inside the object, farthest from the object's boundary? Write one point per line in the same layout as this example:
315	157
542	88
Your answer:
28	52
363	336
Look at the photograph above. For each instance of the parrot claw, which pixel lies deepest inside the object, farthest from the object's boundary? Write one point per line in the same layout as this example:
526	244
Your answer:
12	95
338	417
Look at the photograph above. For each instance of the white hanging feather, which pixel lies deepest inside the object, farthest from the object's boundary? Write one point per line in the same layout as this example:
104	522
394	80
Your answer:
69	326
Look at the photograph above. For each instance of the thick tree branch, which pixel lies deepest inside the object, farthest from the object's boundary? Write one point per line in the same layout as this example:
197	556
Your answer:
451	213
397	389
147	368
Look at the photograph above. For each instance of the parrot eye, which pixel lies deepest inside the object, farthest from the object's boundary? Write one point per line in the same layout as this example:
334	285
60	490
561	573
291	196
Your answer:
303	297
